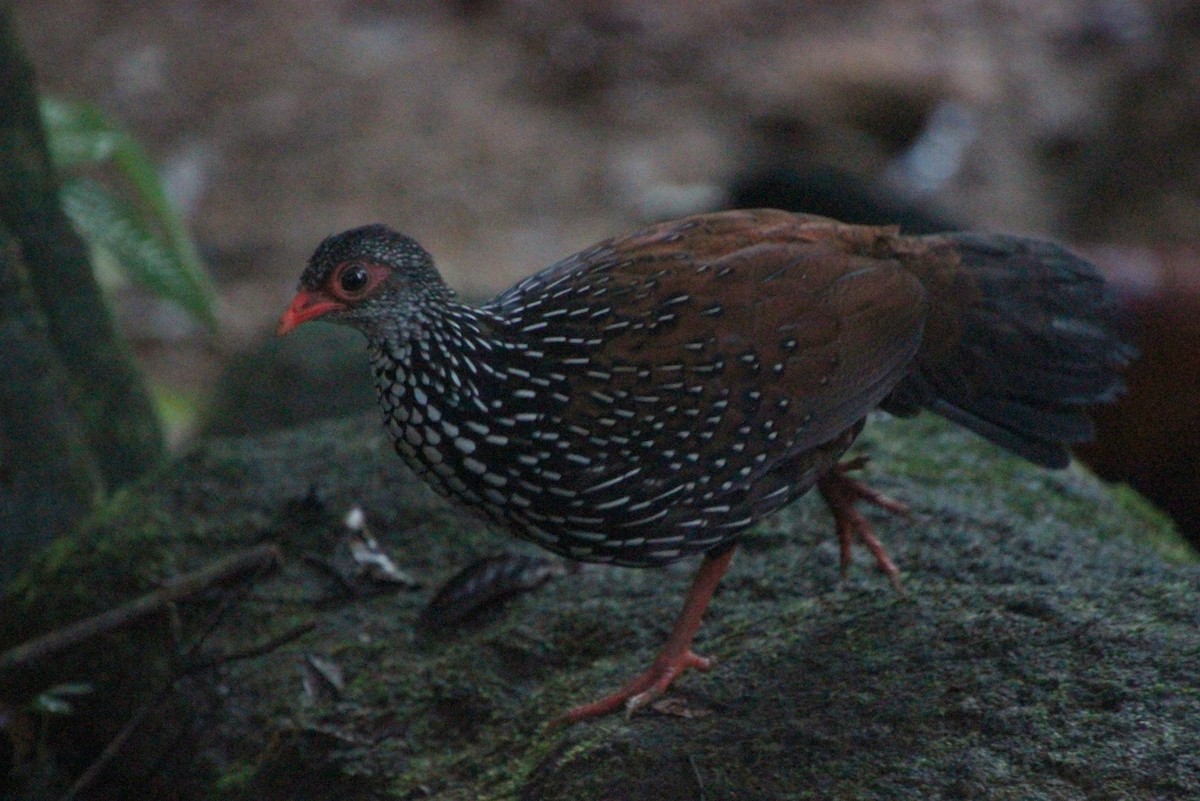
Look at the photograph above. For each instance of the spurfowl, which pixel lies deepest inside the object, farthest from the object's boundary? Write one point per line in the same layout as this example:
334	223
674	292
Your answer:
649	398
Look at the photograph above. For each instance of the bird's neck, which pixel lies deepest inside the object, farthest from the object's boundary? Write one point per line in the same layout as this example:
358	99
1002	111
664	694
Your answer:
443	350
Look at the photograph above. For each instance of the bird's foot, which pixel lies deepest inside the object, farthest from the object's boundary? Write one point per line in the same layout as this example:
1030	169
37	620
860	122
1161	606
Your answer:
644	689
676	655
841	493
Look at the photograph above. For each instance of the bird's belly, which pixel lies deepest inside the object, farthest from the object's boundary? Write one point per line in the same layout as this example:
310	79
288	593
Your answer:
606	506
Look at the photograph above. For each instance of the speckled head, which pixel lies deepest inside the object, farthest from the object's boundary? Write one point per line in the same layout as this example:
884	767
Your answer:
368	278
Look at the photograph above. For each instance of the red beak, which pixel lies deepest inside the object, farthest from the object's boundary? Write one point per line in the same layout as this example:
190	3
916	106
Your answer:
305	306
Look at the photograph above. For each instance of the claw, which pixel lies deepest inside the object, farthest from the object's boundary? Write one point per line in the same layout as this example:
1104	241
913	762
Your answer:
841	493
643	690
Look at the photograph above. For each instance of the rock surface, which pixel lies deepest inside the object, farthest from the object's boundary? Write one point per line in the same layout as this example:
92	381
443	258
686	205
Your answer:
1048	647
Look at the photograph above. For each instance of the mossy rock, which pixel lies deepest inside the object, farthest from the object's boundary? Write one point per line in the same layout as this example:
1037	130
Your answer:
317	373
1048	645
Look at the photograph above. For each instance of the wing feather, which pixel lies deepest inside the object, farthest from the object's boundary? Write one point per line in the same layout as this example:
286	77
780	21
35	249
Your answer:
713	353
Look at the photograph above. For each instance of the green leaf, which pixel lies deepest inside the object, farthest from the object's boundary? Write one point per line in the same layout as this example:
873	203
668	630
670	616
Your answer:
177	410
79	134
53	702
52	705
107	221
151	233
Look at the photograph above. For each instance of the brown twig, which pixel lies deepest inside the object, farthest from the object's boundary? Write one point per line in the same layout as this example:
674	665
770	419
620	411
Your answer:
118	741
173	589
696	776
261	649
254	561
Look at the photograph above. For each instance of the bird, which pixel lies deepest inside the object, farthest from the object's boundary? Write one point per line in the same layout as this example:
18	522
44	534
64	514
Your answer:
649	398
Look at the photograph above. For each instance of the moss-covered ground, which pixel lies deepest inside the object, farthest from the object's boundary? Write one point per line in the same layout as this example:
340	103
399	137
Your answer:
1048	645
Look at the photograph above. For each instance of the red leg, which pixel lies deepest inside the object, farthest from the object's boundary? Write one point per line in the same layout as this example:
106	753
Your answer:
841	493
675	657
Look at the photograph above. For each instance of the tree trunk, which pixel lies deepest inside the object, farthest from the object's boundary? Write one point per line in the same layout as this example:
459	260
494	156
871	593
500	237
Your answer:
117	413
48	479
70	387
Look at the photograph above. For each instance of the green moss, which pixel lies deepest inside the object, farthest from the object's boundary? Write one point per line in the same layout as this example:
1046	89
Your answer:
111	557
1152	525
234	779
957	467
1033	639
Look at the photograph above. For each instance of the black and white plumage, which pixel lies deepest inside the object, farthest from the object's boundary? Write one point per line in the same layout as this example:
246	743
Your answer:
649	398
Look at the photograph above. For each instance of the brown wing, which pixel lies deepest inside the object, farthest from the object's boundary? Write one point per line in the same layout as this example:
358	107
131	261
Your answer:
710	352
766	309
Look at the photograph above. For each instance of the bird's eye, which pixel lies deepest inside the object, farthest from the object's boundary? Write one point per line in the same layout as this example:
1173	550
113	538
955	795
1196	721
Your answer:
353	279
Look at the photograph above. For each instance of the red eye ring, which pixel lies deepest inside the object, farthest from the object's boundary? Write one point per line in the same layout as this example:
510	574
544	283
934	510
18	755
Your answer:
352	279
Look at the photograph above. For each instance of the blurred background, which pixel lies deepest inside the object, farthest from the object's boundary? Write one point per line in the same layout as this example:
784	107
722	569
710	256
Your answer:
504	135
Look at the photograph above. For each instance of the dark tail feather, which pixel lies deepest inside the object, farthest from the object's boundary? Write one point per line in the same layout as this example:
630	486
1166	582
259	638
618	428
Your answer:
1021	338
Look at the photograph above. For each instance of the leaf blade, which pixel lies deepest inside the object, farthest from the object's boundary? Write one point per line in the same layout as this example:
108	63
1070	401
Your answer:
107	221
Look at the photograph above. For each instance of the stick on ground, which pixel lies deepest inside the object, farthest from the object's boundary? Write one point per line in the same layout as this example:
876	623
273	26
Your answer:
173	589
